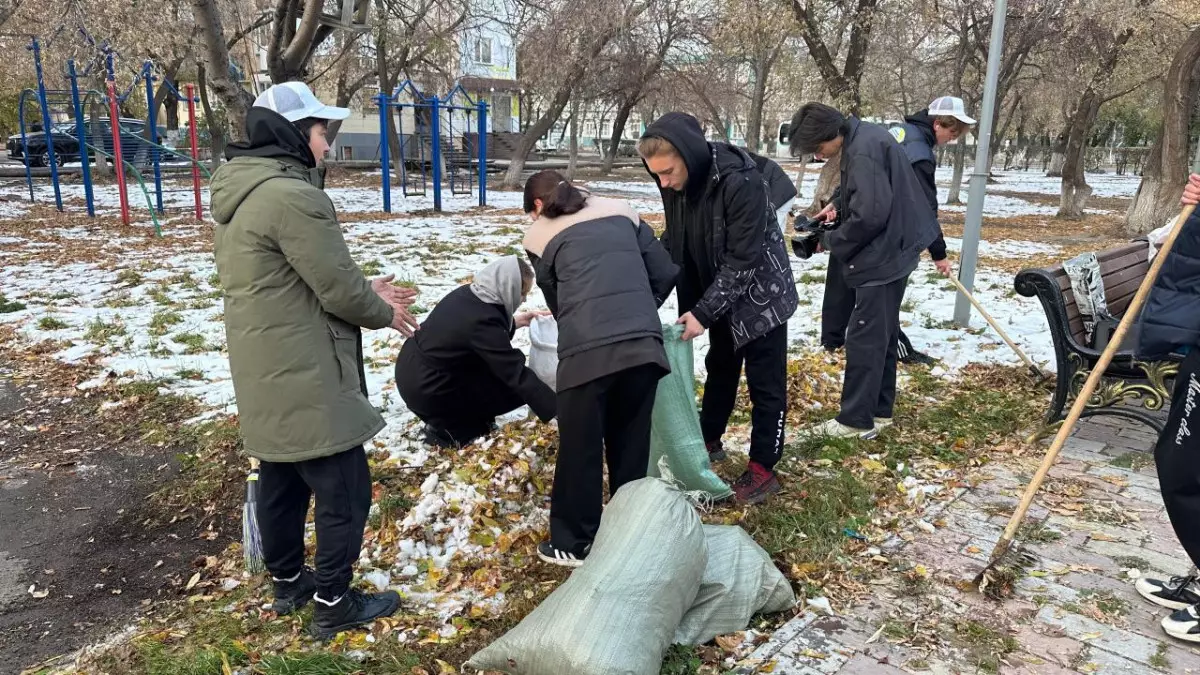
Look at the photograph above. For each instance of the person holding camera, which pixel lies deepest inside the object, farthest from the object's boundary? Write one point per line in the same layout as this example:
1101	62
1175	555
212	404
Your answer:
944	121
736	282
885	223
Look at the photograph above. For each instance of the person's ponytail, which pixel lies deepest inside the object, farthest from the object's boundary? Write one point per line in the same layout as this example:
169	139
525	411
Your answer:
558	196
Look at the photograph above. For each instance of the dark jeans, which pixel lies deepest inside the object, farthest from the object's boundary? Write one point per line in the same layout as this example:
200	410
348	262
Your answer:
341	484
836	306
869	386
607	418
1177	456
766	377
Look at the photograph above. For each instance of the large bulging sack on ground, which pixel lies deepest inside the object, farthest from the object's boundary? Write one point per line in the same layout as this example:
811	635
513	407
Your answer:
739	581
543	350
617	614
676	433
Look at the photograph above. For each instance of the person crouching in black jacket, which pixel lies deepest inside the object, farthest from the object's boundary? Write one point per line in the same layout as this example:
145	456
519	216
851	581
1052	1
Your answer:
604	276
460	371
886	223
737	281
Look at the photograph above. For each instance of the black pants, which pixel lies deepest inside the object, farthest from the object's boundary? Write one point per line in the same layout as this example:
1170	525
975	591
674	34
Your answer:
1177	456
869	386
342	486
836	307
472	414
607	418
766	377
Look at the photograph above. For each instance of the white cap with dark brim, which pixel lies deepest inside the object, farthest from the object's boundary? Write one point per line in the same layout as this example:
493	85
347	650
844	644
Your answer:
950	106
295	101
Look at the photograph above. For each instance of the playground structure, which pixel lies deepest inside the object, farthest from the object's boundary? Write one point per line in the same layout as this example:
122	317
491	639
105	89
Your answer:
442	141
58	138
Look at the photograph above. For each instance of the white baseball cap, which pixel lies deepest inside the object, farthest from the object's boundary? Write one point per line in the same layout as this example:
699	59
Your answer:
295	101
950	106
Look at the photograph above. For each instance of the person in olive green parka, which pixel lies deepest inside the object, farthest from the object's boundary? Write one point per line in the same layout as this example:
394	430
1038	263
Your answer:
294	305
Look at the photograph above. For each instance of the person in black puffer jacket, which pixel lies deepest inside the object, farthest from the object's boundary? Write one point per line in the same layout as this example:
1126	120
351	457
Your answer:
943	122
1170	323
604	276
886	222
736	281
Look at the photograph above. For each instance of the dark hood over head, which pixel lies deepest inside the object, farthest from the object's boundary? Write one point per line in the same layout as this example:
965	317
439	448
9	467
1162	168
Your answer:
270	134
683	131
924	122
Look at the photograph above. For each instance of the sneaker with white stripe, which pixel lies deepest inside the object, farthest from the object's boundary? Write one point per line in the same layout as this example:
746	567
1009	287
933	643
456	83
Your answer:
1184	624
1174	593
556	556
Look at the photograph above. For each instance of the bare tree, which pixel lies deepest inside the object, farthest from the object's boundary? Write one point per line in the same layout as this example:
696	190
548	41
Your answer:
1157	198
233	97
560	49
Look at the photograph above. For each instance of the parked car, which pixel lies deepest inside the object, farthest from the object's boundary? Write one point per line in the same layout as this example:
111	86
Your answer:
66	145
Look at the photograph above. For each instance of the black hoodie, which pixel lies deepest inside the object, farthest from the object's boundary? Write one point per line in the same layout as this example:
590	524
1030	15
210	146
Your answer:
723	232
919	142
270	134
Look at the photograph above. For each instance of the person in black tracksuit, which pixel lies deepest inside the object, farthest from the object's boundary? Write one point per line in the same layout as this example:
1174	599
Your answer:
919	135
604	276
886	222
460	371
737	283
1170	325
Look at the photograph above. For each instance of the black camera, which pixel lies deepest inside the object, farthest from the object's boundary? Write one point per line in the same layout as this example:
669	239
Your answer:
808	235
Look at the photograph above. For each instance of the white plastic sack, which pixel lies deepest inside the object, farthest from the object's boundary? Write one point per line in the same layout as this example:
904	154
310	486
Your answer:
617	614
543	352
739	581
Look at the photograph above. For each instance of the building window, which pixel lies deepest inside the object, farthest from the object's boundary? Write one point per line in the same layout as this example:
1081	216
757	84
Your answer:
483	51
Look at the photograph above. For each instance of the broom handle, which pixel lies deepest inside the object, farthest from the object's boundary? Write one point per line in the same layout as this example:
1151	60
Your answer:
996	326
1106	357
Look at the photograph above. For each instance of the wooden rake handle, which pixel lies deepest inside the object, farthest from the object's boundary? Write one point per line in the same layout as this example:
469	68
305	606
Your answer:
1089	387
996	327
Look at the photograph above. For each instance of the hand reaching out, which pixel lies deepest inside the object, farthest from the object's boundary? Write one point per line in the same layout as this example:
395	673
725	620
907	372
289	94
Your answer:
523	319
403	321
943	266
393	295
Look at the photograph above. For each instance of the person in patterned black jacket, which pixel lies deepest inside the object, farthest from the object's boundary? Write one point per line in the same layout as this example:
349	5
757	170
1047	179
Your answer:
736	283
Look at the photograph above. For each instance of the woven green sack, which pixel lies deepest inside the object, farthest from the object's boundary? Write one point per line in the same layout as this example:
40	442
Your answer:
676	434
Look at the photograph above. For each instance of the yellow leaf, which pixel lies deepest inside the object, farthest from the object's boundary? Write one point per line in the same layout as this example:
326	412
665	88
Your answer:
872	465
192	582
813	654
729	643
1089	636
225	669
1100	536
973	549
445	668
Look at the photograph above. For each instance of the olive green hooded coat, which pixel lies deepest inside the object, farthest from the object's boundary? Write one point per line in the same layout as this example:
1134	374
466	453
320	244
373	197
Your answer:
294	300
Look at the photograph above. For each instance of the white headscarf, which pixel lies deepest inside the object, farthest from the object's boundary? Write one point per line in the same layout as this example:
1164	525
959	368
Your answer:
500	284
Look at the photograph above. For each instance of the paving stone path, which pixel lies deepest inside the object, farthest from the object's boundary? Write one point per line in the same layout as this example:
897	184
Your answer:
1099	517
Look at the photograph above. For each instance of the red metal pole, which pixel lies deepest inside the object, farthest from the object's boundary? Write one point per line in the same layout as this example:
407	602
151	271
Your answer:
191	98
114	120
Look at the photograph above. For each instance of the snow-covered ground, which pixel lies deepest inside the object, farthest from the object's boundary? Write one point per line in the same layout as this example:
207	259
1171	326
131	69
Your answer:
152	310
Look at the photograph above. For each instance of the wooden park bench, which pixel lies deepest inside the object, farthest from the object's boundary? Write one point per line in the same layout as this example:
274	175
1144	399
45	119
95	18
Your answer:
1131	388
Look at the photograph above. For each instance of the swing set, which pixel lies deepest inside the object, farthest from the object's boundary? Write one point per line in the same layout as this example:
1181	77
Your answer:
60	141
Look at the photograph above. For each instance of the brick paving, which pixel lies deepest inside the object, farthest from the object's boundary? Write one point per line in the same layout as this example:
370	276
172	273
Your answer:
1075	612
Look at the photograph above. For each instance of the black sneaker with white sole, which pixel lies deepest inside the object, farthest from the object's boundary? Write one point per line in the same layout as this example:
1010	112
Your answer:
556	556
1184	624
352	610
1174	593
293	593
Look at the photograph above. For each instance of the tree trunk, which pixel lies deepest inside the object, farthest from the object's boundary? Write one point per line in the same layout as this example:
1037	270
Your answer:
233	98
171	106
97	133
1165	173
827	182
512	178
956	181
618	130
216	130
800	176
1058	156
573	160
754	117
